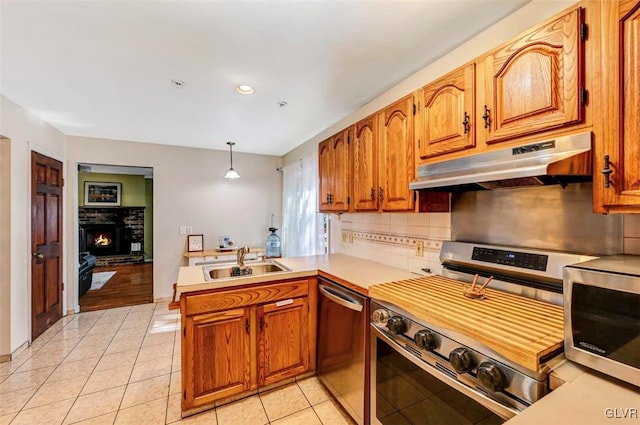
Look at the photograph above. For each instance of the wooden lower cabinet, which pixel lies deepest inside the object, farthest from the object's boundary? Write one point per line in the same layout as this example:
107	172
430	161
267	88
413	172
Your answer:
239	339
283	348
218	356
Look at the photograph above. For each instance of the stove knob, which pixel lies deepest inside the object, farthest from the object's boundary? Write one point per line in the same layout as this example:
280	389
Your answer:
396	325
425	339
462	360
380	316
491	377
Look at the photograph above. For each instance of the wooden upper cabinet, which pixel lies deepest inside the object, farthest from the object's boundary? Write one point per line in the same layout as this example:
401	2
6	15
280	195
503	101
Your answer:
340	196
218	356
534	83
283	346
334	165
617	189
325	174
448	114
396	156
365	165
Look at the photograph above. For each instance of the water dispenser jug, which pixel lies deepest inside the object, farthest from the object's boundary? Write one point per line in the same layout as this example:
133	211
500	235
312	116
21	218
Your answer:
273	244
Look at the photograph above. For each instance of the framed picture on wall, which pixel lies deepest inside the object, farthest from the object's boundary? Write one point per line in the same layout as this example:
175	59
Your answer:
195	243
102	194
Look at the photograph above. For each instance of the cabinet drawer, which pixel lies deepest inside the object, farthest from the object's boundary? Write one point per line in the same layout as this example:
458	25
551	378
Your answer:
226	299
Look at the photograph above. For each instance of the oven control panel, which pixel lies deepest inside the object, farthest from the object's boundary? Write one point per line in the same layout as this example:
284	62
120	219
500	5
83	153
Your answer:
523	260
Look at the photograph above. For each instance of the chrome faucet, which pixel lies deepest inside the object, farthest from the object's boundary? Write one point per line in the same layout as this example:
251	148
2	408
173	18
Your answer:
241	252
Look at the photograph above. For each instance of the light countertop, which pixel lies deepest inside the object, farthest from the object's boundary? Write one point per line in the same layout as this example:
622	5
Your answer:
590	399
356	273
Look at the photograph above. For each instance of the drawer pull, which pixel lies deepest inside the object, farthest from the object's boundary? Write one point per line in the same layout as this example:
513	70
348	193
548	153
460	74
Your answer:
284	302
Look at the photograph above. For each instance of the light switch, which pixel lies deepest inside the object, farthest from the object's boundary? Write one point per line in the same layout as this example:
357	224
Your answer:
183	230
189	230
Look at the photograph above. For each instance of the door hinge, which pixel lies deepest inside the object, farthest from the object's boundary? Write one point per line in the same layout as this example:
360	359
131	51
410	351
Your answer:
184	394
348	200
584	96
348	140
414	109
62	283
584	31
418	143
62	182
184	332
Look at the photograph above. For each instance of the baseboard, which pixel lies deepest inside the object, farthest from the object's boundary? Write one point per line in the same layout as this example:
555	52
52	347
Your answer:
162	300
8	357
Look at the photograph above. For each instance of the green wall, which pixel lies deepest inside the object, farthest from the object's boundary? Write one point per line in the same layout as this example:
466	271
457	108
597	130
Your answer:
136	192
148	219
133	187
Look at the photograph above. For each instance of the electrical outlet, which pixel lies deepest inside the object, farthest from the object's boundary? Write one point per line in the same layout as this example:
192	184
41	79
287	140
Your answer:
350	237
419	248
189	230
347	236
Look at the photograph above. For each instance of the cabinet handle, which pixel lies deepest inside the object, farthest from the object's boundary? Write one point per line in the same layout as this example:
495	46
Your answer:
330	199
486	117
373	194
606	171
261	324
381	194
246	325
465	123
327	199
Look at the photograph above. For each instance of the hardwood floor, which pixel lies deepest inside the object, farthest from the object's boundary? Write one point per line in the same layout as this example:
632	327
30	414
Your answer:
132	284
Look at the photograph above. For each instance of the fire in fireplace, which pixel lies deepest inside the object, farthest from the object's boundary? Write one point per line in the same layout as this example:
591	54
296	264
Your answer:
105	239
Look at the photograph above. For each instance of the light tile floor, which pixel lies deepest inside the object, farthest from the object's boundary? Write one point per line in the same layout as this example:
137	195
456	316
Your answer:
122	366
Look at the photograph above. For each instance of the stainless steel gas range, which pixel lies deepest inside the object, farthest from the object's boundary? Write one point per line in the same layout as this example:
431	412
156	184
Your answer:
431	362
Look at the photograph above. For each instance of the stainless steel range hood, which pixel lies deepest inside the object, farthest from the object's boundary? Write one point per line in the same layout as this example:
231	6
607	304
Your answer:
561	160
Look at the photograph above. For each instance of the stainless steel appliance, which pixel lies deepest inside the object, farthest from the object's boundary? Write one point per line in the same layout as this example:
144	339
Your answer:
422	373
562	160
602	315
342	358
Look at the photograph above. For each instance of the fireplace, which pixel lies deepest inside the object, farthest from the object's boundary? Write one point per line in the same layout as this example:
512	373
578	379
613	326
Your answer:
105	239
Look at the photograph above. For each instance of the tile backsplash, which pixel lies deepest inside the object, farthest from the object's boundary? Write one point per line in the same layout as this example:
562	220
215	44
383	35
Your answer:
631	234
392	238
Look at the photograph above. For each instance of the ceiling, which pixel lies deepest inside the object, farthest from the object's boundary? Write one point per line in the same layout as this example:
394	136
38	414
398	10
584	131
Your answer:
104	68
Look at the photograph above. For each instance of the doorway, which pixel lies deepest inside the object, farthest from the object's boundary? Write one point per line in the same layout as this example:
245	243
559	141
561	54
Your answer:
46	242
115	236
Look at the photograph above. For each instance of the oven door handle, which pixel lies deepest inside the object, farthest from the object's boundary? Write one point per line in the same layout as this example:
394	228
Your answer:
341	298
497	408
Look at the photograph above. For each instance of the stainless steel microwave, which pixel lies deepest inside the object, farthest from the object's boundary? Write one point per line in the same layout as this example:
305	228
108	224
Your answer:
602	315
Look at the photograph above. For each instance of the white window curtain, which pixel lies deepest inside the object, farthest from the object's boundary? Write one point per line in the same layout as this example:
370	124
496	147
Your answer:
301	228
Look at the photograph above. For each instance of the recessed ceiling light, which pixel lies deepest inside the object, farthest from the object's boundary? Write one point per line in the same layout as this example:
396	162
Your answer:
244	89
282	103
177	83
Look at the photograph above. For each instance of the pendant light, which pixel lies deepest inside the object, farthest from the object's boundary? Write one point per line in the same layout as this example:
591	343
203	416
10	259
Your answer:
231	173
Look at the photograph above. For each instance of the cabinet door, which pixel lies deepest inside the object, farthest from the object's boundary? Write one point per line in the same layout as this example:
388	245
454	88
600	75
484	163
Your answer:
216	356
341	176
448	114
325	173
627	183
396	156
365	165
534	84
283	345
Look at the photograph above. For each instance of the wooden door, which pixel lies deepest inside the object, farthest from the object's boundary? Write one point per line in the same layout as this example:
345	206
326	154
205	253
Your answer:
341	181
325	172
216	356
46	243
365	165
534	83
396	156
448	114
283	346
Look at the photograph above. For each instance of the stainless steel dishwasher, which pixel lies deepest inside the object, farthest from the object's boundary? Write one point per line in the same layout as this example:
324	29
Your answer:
342	351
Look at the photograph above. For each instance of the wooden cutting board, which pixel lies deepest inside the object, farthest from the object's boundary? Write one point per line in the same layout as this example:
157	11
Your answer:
521	329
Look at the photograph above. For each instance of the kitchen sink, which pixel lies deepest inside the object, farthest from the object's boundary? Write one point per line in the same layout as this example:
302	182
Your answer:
212	272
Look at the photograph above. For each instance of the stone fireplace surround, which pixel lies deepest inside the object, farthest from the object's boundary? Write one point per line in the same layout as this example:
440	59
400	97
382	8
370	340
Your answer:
127	222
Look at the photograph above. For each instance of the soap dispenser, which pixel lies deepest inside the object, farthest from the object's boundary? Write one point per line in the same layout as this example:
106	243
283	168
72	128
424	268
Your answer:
273	244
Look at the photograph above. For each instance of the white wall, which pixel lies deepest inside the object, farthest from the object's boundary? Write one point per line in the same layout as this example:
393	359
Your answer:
188	189
522	19
26	133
